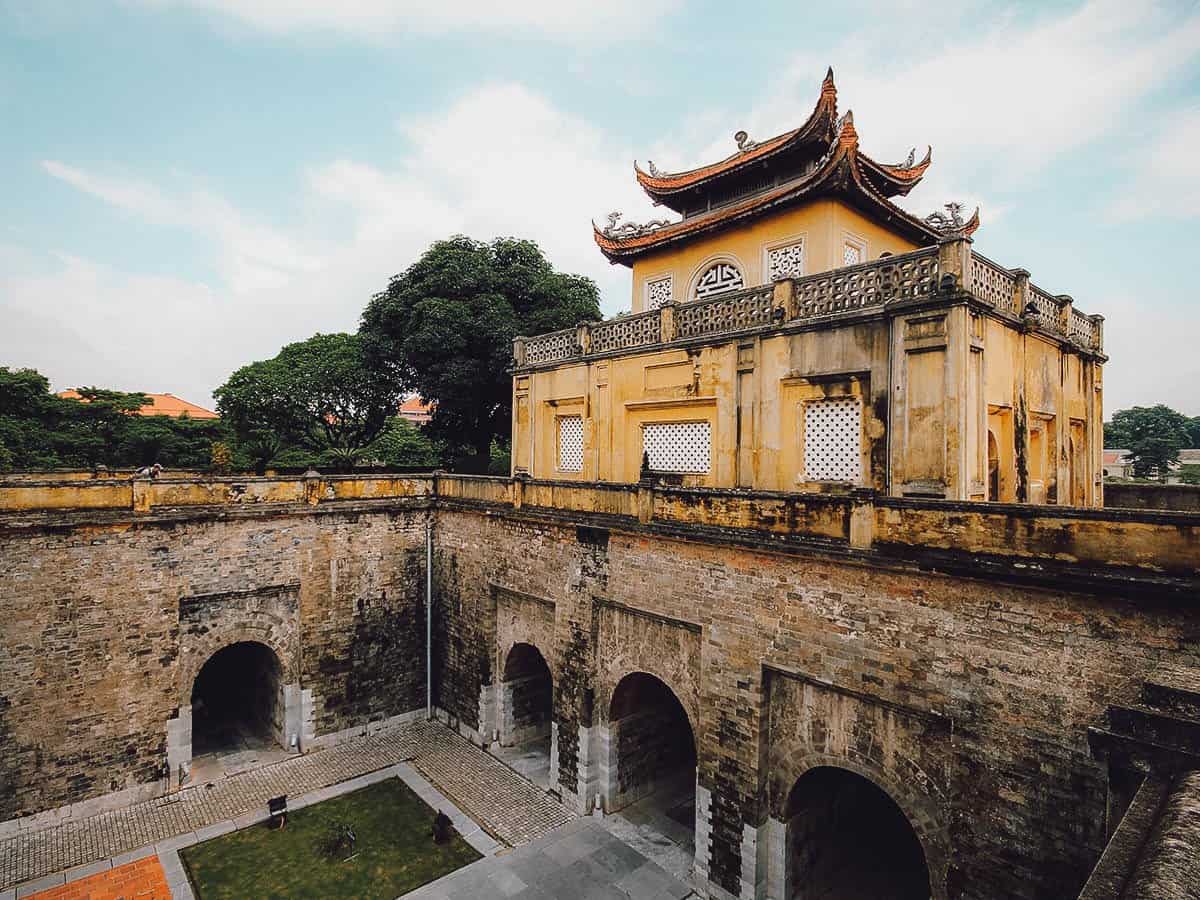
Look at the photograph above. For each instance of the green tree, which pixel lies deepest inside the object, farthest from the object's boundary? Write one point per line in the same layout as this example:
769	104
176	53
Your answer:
1194	431
404	445
445	327
1154	435
318	394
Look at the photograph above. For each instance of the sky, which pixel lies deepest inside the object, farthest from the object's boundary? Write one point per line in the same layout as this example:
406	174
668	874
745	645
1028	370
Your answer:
188	185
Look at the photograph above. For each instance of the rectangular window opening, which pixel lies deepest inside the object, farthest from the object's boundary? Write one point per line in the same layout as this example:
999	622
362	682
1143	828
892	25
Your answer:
570	443
833	440
681	447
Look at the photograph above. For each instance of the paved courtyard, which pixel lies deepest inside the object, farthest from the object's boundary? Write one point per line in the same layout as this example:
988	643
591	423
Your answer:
507	806
556	855
581	860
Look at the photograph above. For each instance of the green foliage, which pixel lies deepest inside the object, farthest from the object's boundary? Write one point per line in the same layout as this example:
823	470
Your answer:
393	852
1189	474
1153	435
318	395
402	444
221	458
40	430
445	327
1193	429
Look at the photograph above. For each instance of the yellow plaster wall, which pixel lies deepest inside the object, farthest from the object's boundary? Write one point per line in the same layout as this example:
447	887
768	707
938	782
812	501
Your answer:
933	385
824	226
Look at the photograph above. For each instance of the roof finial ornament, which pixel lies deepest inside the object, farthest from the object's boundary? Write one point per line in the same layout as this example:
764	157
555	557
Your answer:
950	220
617	229
743	141
654	170
910	160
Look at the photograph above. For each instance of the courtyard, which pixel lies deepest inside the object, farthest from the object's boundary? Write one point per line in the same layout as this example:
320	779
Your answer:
508	834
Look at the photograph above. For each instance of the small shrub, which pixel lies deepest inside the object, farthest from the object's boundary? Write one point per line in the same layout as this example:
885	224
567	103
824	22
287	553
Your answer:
221	458
339	841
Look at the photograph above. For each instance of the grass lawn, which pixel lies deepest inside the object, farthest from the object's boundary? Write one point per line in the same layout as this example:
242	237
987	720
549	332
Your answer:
394	851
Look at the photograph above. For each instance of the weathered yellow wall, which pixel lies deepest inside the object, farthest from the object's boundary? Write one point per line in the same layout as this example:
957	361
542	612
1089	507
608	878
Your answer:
933	386
824	225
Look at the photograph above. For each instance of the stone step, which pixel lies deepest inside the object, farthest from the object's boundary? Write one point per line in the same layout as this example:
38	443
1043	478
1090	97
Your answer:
1174	690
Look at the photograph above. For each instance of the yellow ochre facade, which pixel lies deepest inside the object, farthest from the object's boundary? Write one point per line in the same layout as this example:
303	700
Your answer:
796	331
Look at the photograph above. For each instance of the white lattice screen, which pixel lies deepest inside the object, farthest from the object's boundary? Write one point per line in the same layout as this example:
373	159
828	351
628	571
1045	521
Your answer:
833	440
785	262
570	443
852	254
677	446
658	292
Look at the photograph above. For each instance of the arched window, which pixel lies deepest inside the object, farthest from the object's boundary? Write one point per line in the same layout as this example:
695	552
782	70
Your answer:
718	278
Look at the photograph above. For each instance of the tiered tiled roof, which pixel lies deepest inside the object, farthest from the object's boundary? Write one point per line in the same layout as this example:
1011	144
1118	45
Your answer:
820	158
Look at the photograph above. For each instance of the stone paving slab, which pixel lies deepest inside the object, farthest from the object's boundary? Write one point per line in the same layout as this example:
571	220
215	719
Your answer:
580	860
505	804
40	854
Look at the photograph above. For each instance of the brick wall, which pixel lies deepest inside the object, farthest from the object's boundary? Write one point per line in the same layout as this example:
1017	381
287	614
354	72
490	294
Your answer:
105	626
968	701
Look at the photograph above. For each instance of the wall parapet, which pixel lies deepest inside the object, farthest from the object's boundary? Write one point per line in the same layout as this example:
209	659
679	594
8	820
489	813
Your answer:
1156	548
864	287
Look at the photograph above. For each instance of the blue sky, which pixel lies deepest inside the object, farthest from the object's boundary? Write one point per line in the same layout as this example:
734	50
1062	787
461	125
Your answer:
189	184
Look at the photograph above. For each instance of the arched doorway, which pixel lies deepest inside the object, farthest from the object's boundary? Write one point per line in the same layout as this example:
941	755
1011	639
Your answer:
237	701
527	714
848	840
649	776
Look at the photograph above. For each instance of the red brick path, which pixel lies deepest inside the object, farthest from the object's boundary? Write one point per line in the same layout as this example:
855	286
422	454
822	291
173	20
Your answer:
140	880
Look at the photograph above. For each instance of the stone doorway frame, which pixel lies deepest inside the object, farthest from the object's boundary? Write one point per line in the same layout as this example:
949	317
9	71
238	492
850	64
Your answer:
211	622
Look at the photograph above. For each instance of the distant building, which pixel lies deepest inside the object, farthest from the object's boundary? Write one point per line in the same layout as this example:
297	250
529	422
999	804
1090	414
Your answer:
161	405
1117	464
416	410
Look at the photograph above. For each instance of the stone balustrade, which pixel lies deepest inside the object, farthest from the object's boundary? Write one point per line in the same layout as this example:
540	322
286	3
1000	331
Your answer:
867	286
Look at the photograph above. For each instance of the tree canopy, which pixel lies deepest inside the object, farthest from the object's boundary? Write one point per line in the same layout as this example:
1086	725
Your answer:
319	394
1153	435
39	430
444	327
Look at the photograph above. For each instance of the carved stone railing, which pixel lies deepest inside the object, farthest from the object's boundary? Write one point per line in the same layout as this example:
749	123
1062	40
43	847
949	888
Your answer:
992	283
908	276
625	332
1047	308
733	311
551	347
905	277
1083	329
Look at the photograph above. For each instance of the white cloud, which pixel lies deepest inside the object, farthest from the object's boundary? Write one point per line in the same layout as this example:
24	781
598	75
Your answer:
1000	99
1152	348
1166	179
466	171
574	20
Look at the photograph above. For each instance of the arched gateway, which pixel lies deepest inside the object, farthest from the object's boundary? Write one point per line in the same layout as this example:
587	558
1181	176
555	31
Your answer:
526	714
648	760
237	702
848	840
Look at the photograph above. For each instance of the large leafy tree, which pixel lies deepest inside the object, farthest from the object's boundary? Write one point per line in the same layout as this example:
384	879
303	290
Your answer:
319	394
1154	435
445	327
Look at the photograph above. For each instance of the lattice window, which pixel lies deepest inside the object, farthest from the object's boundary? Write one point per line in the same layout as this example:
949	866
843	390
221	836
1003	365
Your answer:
570	443
658	292
719	278
833	440
678	446
852	253
785	262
